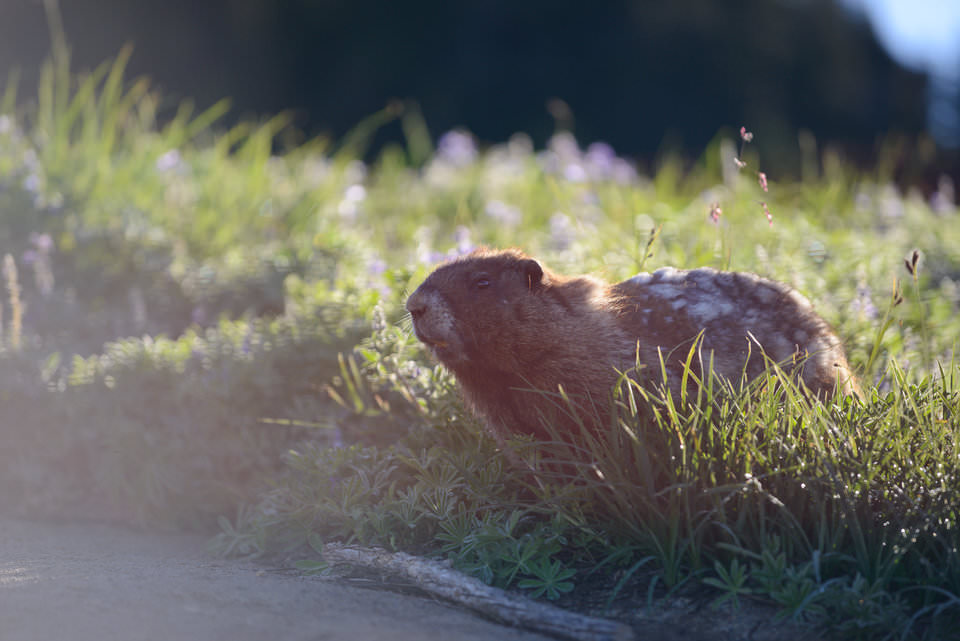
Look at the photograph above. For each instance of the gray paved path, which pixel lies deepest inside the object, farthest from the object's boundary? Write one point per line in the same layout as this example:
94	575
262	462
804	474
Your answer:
90	582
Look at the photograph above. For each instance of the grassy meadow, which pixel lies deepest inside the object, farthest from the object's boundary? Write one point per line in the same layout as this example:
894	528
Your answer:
204	325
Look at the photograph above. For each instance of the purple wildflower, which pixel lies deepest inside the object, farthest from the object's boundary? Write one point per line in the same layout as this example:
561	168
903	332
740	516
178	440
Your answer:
623	172
32	183
863	303
376	267
600	159
565	146
561	231
42	242
432	257
503	213
462	238
457	148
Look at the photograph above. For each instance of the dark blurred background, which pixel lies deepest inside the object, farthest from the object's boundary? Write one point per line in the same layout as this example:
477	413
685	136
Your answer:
645	76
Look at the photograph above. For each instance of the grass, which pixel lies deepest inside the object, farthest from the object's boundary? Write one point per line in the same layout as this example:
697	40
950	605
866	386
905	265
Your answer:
202	323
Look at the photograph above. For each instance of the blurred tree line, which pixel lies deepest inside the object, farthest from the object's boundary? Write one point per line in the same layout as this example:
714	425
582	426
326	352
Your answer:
642	75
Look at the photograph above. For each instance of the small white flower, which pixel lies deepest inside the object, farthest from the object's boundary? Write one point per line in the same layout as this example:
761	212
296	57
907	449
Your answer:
575	173
355	193
348	209
349	206
355	172
169	161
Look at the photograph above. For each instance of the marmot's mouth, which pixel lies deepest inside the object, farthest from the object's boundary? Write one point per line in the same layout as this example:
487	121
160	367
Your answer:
440	349
432	343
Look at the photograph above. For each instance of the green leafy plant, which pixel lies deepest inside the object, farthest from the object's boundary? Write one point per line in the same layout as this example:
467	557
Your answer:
549	579
731	581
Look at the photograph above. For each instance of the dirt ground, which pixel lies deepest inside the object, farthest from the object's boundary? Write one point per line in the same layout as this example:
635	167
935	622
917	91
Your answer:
91	582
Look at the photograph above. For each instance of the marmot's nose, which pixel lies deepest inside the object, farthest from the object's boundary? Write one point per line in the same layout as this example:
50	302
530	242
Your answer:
416	305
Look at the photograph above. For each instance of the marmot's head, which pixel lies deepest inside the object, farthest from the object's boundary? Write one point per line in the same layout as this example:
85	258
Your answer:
468	310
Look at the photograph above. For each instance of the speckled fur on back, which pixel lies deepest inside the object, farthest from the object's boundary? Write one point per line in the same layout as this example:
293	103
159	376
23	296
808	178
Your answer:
507	327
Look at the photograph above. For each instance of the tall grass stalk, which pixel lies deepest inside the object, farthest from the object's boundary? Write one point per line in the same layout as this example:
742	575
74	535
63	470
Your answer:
11	278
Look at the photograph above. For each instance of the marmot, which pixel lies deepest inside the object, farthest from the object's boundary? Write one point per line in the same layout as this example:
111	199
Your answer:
513	333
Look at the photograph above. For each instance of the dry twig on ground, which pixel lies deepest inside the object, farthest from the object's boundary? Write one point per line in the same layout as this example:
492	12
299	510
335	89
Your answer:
439	579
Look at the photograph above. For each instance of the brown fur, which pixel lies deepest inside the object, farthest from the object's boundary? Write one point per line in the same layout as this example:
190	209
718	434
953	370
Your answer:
513	333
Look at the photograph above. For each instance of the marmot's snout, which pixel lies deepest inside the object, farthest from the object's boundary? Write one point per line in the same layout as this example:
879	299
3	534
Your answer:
417	306
432	320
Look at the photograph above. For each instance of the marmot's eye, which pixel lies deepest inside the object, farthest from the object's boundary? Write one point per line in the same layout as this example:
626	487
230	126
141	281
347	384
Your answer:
481	282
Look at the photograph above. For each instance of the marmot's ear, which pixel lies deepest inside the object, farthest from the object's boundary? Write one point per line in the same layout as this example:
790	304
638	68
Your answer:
533	272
